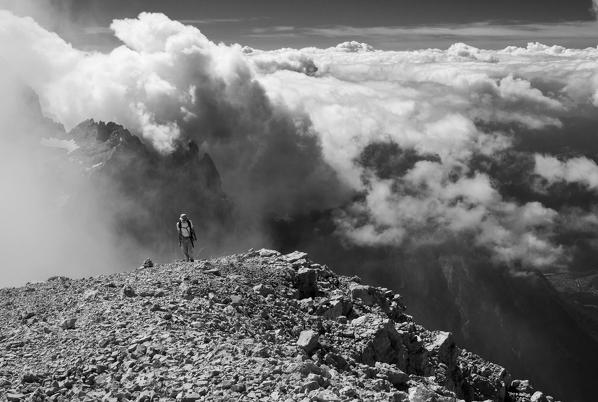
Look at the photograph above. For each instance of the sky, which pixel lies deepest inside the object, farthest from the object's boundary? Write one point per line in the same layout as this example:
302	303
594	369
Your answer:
384	24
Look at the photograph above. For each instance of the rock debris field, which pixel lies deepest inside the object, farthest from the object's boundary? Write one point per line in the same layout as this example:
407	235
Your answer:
258	326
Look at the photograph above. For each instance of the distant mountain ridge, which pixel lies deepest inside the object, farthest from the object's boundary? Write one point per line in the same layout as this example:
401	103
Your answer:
148	190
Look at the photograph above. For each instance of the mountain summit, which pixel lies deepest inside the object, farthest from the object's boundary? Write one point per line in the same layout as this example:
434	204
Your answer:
254	326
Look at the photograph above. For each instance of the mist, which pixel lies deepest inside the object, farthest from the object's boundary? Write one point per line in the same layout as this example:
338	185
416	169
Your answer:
40	237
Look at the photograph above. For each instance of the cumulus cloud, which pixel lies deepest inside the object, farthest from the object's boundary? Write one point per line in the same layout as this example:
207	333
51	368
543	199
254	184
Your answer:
170	85
575	170
292	130
457	104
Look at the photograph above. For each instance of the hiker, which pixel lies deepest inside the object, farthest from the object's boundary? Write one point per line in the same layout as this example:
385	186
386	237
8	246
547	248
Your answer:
186	236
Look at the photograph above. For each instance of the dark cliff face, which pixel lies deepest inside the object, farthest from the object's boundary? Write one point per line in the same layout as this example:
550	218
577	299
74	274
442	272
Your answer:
146	190
519	319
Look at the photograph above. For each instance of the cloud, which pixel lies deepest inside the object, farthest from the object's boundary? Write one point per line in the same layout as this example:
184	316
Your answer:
485	33
39	238
474	30
292	130
169	84
457	104
575	170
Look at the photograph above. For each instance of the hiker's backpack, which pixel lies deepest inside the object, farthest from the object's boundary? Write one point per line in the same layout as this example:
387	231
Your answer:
191	229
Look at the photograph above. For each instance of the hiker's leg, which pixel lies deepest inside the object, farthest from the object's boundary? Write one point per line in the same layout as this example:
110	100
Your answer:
190	251
185	248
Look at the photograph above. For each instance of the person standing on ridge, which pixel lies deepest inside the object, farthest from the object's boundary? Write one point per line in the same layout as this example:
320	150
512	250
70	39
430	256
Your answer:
186	236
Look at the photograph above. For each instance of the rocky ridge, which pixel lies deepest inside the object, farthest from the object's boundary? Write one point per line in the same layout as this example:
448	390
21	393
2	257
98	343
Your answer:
254	326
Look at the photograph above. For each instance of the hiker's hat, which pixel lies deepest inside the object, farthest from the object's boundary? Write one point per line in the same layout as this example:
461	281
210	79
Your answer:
183	216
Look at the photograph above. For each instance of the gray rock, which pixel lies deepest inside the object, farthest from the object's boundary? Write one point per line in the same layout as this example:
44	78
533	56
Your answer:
338	308
379	340
69	323
327	396
348	392
308	341
294	256
522	386
368	295
263	290
538	397
310	386
240	387
268	253
190	397
335	360
398	396
306	282
308	367
187	291
127	291
443	345
421	393
322	382
393	375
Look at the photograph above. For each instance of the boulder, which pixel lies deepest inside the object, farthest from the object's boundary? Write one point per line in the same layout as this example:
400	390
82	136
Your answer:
127	291
368	295
294	256
338	307
14	396
306	283
521	386
69	323
378	341
239	387
483	388
268	253
187	291
398	396
442	344
327	396
335	360
263	290
308	341
421	393
392	374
